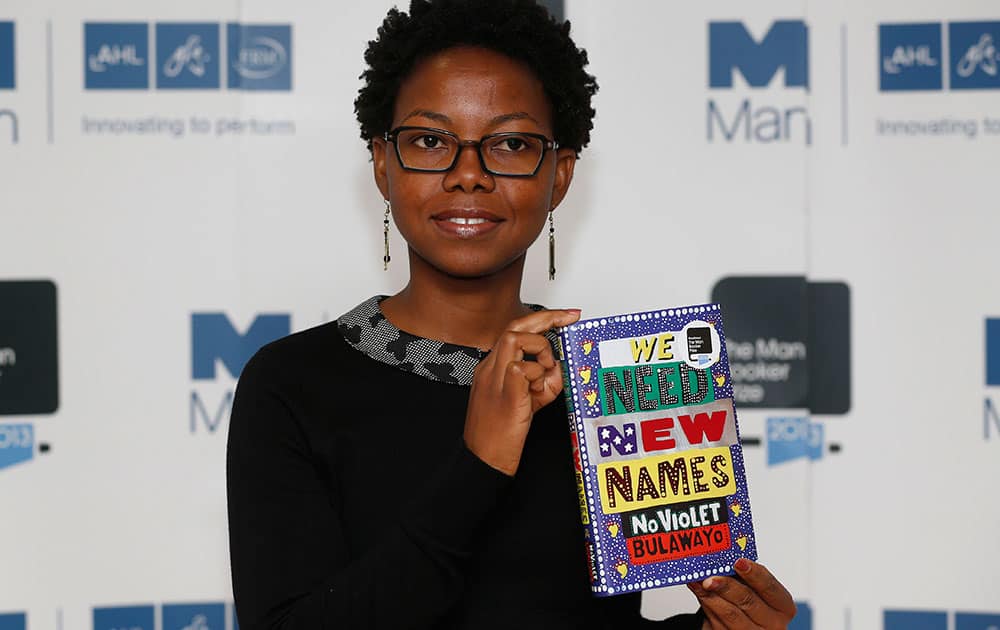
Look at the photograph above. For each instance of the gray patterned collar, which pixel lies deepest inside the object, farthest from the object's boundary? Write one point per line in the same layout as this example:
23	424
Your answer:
368	331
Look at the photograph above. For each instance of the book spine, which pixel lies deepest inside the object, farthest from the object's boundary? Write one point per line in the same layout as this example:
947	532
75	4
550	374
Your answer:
576	439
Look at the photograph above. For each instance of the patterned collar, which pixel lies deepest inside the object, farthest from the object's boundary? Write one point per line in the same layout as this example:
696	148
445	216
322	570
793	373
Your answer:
368	331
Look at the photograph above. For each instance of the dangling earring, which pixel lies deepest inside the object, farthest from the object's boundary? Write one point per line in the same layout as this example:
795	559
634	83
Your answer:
385	235
552	248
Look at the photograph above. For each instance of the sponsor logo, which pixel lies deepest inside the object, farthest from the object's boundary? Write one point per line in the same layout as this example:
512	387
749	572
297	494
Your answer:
938	620
977	621
993	351
194	616
732	50
789	342
203	616
124	618
187	56
803	619
13	621
785	46
7	61
260	56
17	445
975	58
215	341
914	620
910	57
29	362
991	408
115	56
791	438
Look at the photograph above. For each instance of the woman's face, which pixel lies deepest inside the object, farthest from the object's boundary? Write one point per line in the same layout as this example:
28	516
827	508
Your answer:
466	222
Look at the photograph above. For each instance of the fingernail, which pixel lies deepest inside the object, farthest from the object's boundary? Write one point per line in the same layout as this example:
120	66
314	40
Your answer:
574	310
742	565
710	584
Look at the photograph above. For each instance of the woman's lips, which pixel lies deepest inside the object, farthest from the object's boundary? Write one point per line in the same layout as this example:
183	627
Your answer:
466	224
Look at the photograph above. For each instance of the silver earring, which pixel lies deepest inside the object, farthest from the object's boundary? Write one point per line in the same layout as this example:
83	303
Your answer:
552	248
385	235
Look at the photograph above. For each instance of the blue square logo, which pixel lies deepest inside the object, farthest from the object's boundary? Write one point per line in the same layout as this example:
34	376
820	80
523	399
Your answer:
910	57
116	56
194	616
13	621
6	56
993	351
187	56
914	620
260	56
975	57
976	621
131	617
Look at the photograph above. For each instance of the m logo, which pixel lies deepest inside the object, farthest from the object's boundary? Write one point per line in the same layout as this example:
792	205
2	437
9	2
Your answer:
993	351
7	64
13	621
187	56
115	56
214	337
732	47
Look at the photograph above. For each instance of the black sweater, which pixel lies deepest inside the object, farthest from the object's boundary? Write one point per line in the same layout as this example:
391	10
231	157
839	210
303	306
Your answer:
354	503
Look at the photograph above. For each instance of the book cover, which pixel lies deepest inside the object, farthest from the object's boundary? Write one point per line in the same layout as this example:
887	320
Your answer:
659	467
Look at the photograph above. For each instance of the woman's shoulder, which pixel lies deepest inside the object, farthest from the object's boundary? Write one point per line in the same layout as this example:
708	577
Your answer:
298	354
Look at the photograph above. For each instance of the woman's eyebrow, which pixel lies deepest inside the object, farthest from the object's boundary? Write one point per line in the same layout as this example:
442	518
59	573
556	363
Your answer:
425	113
512	116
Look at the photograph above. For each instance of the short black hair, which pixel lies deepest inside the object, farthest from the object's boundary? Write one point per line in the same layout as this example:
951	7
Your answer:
520	29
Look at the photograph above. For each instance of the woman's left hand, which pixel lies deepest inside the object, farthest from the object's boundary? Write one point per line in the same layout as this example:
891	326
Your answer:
754	599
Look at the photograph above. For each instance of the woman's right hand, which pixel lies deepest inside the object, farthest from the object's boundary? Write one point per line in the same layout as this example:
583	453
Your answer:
507	390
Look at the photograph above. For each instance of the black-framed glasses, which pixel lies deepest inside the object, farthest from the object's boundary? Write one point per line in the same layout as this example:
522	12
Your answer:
430	150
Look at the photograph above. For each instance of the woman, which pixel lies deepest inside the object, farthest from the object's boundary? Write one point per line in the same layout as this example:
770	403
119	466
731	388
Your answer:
409	466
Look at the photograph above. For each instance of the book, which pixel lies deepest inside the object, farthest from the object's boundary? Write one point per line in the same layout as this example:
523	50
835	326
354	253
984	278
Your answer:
659	467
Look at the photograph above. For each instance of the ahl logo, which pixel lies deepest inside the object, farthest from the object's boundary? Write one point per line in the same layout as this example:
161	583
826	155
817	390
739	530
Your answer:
115	56
187	56
13	621
911	56
260	57
731	48
214	340
7	65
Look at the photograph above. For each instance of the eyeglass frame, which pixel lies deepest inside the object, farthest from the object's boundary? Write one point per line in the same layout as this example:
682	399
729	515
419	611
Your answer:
547	145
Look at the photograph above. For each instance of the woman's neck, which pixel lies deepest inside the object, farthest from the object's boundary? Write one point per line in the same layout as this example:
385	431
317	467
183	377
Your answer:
464	311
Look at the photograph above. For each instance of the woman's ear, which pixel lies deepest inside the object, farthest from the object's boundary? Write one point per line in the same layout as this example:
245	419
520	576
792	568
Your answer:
379	150
565	163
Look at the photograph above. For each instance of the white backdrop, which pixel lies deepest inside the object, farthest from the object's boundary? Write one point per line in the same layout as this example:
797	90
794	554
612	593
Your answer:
139	231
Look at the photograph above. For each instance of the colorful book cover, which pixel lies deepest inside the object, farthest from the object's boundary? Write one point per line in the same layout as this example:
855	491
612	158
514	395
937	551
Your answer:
659	467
